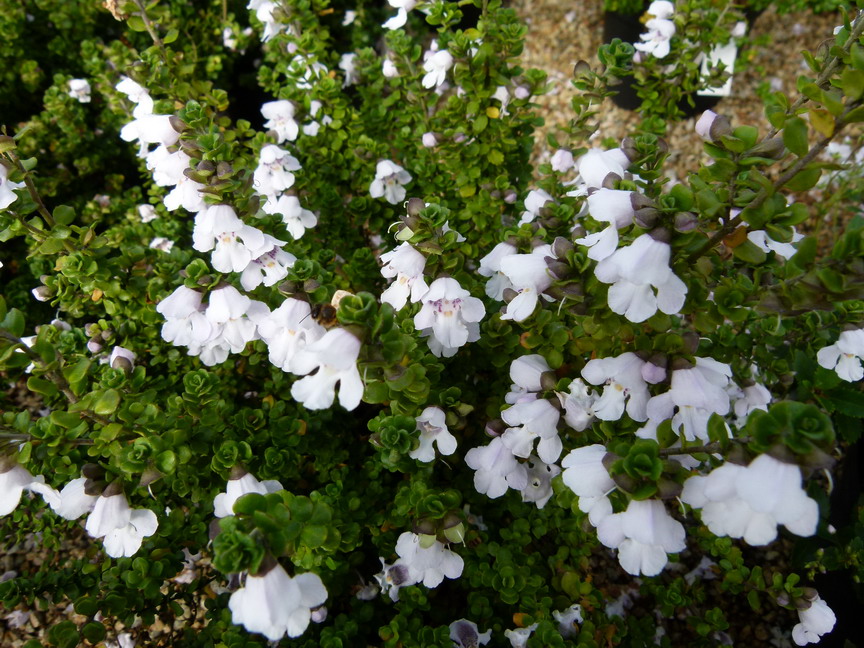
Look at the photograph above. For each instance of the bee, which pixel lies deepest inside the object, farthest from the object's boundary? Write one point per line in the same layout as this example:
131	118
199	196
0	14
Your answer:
324	314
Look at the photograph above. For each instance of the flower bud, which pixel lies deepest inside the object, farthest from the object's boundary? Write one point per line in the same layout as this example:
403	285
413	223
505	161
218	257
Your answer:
42	293
561	246
645	217
522	92
429	140
510	196
319	614
628	146
424	527
685	221
415	206
711	126
559	269
772	148
177	124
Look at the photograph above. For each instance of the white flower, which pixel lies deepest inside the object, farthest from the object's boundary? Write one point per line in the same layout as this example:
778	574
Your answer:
568	620
71	502
538	488
429	140
80	89
7	188
121	528
436	68
287	330
519	637
14	480
135	92
234	316
273	173
449	316
280	118
660	30
237	487
527	371
762	241
643	535
623	382
389	69
844	356
611	206
275	604
401	17
147	213
150	129
578	405
185	322
496	469
585	473
407	265
534	202
429	565
815	621
297	219
433	429
635	272
750	502
529	276
187	194
389	178
234	243
335	357
391	578
596	164
347	65
697	392
466	634
490	266
530	421
269	268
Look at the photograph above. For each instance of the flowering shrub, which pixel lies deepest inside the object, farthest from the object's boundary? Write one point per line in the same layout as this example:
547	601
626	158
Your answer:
321	350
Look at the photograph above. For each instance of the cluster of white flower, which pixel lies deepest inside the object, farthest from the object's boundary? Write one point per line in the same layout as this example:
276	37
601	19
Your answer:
121	528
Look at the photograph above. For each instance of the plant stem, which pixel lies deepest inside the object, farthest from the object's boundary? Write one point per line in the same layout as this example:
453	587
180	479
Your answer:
709	448
151	30
763	194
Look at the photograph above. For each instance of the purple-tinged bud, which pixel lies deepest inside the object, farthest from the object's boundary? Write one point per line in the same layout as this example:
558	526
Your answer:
429	140
712	126
685	221
522	92
510	197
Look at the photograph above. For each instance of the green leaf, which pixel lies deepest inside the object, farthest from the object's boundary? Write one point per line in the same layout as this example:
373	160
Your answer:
480	123
804	180
795	136
64	635
86	606
849	402
13	323
166	462
171	36
41	386
107	402
136	24
852	82
63	214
